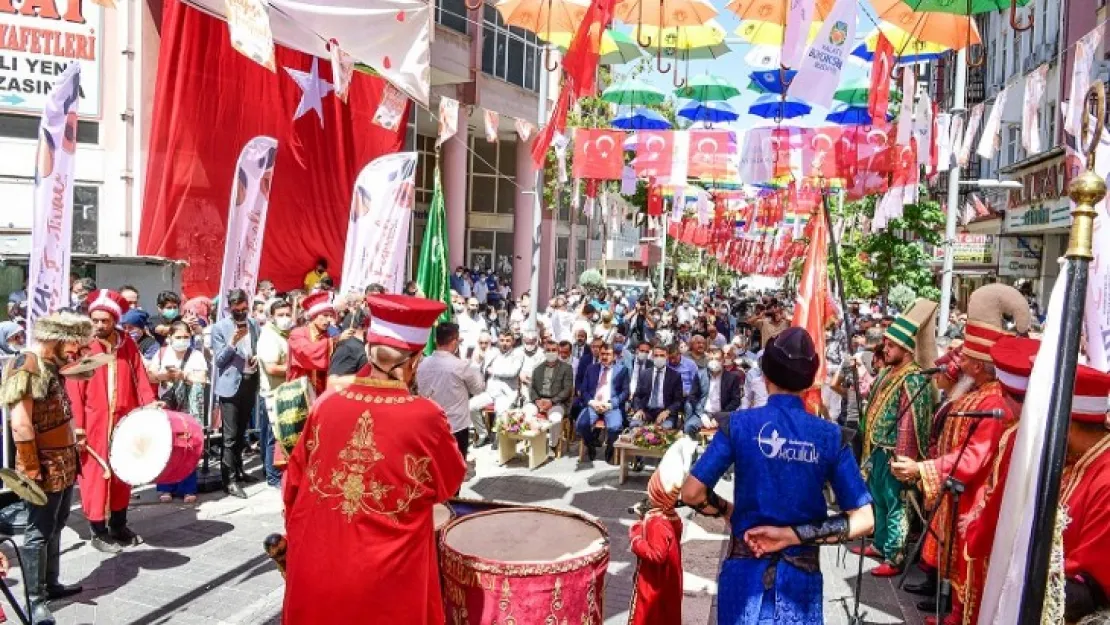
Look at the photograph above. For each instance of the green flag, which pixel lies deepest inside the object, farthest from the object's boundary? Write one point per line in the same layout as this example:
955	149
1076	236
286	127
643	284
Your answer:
432	273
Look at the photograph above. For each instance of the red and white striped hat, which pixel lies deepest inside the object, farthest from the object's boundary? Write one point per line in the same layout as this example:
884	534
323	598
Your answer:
317	304
107	300
1091	401
1013	362
402	321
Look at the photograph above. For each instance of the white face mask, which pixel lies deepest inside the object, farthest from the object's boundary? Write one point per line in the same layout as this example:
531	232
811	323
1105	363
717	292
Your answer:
551	356
530	349
713	365
459	308
642	356
659	362
180	345
283	323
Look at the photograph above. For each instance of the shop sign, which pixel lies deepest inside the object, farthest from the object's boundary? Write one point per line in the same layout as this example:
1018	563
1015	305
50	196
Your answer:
1040	217
1020	257
969	249
1042	202
38	40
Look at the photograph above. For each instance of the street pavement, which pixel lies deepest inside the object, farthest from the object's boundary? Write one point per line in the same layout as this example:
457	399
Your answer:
204	564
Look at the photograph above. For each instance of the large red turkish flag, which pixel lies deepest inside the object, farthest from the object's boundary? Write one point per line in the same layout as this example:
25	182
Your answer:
654	153
709	152
598	154
209	101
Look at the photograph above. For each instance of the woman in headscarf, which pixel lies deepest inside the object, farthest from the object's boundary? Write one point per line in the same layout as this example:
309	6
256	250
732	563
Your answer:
12	338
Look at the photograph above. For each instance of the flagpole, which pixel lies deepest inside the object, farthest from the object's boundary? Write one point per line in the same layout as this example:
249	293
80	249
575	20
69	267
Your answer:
663	221
537	207
1085	191
953	195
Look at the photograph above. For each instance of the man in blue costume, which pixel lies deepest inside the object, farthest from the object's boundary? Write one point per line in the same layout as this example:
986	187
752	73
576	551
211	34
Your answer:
783	457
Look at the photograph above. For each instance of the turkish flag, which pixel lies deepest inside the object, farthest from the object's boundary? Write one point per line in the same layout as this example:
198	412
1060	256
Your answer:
581	59
654	200
878	98
209	101
709	152
819	154
598	154
654	153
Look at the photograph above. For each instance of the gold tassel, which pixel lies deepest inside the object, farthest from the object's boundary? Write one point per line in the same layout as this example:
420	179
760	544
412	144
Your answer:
1053	612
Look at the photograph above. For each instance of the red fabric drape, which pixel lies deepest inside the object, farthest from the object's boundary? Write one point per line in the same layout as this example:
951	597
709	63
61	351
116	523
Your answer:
209	101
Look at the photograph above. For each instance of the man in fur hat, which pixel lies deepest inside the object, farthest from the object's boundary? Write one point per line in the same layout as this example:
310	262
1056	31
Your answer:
46	448
898	420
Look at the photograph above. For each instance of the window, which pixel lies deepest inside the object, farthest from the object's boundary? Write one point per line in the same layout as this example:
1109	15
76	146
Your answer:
493	171
562	249
1050	125
425	168
509	53
579	260
492	250
452	14
27	127
86	204
1015	58
1013	145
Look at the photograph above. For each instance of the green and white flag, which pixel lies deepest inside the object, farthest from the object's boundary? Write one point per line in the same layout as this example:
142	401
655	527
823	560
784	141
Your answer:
432	273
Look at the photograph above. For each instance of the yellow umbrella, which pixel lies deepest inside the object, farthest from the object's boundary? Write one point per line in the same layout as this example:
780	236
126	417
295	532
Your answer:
774	10
904	43
685	42
543	15
761	33
946	29
616	47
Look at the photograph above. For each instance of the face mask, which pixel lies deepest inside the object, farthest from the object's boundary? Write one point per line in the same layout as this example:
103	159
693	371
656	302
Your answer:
530	349
239	315
738	362
618	347
459	308
595	318
642	356
284	323
135	335
659	362
566	360
551	356
180	345
714	365
170	314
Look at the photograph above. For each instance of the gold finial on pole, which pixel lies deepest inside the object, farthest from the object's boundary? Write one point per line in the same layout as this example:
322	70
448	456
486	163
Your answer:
1087	189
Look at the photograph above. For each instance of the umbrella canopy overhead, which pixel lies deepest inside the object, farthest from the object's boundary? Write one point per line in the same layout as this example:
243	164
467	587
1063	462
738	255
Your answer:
665	13
640	118
708	88
946	29
858	92
616	47
763	57
680	38
955	7
632	92
712	112
772	106
543	15
760	33
848	115
904	44
771	81
774	10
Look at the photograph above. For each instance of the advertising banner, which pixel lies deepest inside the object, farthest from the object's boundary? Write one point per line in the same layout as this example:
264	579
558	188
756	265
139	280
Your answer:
381	209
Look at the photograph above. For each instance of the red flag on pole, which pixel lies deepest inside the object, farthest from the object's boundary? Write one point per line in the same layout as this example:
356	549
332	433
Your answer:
878	98
810	310
580	62
598	154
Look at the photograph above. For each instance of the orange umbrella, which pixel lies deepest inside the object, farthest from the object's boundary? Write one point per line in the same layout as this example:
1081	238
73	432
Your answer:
773	10
947	29
665	13
543	15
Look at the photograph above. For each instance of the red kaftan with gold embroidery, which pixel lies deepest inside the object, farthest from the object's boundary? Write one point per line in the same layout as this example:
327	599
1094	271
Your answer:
359	491
657	544
309	357
1085	494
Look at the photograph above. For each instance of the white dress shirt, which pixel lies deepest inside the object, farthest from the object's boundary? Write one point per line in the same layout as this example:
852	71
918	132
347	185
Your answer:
450	381
713	400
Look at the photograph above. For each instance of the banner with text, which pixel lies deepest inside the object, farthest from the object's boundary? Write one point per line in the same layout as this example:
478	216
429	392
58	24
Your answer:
381	209
37	42
52	228
246	217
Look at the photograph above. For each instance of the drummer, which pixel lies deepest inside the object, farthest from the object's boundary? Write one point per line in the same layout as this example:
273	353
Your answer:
46	448
310	346
787	456
361	488
99	403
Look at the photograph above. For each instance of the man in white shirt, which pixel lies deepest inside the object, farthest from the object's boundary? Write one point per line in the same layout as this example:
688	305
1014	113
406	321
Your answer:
502	388
471	326
561	320
531	356
273	359
755	389
450	381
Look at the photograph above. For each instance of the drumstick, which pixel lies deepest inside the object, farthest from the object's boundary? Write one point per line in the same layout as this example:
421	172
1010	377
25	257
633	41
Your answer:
100	461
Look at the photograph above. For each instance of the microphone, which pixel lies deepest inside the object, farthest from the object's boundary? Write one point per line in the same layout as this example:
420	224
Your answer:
930	371
997	413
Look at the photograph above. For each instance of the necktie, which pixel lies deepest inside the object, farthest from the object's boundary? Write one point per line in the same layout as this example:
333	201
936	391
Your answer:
601	382
656	391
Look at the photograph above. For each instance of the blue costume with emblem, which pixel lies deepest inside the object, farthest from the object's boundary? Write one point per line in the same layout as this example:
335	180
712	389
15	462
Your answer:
783	457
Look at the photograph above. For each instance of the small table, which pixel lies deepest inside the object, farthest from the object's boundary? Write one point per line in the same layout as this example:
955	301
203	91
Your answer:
625	450
536	443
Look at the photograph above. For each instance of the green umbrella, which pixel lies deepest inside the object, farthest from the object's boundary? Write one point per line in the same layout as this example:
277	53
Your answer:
858	92
957	7
616	47
701	53
708	88
633	92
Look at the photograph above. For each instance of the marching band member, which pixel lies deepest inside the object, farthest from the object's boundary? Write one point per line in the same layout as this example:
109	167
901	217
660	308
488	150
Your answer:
46	449
361	484
310	347
99	403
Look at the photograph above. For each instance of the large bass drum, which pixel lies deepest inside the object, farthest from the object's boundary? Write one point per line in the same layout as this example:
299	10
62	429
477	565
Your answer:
528	565
292	402
152	445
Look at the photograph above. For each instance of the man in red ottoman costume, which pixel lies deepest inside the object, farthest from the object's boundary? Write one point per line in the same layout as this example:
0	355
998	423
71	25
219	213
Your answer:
310	348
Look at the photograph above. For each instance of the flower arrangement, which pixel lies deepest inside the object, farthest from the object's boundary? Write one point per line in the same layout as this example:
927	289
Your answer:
516	422
651	436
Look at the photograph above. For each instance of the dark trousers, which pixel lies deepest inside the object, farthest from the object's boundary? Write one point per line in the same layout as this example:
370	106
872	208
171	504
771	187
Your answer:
44	529
462	439
236	414
267	442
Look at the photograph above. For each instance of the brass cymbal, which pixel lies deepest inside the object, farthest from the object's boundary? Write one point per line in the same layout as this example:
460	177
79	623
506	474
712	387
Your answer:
23	486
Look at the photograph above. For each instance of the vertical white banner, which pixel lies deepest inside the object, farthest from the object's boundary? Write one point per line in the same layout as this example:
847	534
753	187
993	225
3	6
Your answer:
923	129
1031	104
52	225
819	73
963	155
905	117
944	140
381	210
992	137
246	218
1085	50
798	21
1096	316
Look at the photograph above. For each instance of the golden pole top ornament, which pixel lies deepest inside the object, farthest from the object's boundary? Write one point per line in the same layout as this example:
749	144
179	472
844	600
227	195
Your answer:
1088	188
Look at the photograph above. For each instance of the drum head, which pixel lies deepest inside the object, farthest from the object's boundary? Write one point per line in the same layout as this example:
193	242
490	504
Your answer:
525	535
141	446
441	515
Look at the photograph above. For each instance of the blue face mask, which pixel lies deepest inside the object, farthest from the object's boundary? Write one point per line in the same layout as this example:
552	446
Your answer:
618	347
170	314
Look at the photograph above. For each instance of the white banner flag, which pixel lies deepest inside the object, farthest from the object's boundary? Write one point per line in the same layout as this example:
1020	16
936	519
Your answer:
52	225
798	21
963	156
560	142
246	218
905	117
493	121
944	140
381	210
1085	50
923	129
1030	105
819	73
342	69
680	158
992	138
248	24
391	108
524	129
1096	317
448	119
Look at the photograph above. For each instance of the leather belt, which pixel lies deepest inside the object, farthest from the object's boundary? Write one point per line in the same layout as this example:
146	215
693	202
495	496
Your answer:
808	560
60	436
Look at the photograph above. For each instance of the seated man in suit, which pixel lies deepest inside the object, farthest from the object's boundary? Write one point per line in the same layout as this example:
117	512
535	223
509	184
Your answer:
718	391
605	389
659	396
551	388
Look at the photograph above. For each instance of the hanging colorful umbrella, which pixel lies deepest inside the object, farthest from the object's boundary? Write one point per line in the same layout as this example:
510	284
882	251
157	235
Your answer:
617	48
957	7
664	13
763	57
771	81
858	92
708	88
848	115
905	45
632	92
947	29
711	112
773	10
771	106
543	15
684	43
640	118
758	32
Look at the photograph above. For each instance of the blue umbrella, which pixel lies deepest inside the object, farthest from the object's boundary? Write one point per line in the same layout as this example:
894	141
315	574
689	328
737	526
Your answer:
771	81
640	118
847	115
862	52
771	106
712	112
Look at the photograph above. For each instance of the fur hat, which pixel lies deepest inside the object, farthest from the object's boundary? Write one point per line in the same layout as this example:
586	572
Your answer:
985	309
63	327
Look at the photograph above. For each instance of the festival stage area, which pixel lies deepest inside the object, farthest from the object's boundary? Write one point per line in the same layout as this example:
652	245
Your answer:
205	565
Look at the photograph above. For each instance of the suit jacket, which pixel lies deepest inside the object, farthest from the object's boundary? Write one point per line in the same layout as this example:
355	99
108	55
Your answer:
229	361
618	380
584	364
672	390
561	388
732	392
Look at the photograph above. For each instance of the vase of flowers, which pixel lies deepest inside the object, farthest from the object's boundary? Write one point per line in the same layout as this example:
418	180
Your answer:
651	436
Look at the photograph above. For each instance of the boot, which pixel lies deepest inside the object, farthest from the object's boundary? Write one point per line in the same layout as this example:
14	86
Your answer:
118	530
927	588
34	575
55	589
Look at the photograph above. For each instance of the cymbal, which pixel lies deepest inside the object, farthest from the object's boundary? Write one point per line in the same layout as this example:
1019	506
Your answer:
87	364
23	486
